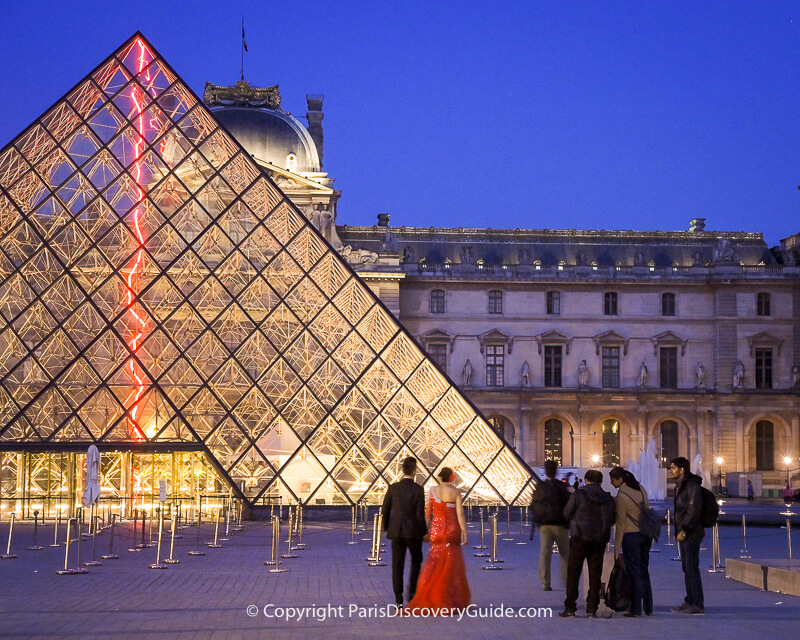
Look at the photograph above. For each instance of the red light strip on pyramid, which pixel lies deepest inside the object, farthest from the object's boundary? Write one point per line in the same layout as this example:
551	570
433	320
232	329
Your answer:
133	275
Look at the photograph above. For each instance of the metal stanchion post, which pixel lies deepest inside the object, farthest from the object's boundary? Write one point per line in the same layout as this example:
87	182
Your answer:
135	547
157	564
289	553
56	522
364	518
111	555
299	526
353	525
227	520
143	544
716	564
669	531
171	559
789	536
508	537
481	546
93	521
215	544
373	557
273	561
743	553
239	509
8	555
521	528
67	571
197	551
35	546
377	562
494	560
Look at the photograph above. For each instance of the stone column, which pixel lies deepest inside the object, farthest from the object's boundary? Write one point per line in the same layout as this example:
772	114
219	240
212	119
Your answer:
740	444
526	442
794	447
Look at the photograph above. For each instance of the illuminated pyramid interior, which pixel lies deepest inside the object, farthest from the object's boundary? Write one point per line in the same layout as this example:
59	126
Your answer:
159	294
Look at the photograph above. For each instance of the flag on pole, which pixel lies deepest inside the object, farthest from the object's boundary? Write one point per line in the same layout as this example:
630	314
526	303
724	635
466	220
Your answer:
244	42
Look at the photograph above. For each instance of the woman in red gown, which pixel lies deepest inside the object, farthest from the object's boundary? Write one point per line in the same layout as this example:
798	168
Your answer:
443	581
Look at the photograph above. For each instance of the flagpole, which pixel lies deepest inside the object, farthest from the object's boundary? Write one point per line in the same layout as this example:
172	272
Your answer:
242	68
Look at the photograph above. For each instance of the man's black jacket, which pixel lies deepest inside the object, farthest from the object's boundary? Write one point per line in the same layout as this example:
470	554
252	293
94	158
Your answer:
404	510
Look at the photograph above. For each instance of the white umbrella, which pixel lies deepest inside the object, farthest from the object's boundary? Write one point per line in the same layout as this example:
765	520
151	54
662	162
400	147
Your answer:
91	491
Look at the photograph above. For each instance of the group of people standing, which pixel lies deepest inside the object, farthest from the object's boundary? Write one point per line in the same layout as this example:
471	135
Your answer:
577	520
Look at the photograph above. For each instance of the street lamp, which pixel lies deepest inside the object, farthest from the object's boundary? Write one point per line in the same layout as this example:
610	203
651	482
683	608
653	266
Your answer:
595	459
787	461
719	464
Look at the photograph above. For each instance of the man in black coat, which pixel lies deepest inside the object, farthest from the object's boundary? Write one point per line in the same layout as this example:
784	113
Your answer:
689	533
404	523
591	512
548	503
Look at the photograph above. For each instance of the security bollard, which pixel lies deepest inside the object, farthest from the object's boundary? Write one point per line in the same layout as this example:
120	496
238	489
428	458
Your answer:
492	563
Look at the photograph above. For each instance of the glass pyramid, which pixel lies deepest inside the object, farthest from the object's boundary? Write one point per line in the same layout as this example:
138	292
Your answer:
157	288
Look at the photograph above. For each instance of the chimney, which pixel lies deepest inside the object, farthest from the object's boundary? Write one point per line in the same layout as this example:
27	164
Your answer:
383	219
315	117
698	224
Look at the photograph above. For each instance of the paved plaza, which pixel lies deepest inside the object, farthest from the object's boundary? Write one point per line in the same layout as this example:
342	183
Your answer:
209	596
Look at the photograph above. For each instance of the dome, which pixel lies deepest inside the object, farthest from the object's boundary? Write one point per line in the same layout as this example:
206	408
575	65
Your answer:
271	135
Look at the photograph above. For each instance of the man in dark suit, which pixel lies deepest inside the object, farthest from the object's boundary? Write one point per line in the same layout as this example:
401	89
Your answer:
404	523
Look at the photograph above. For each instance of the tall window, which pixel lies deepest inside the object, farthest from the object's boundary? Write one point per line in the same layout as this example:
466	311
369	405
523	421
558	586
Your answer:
611	367
669	442
503	430
552	440
667	304
438	353
437	301
611	453
552	366
668	367
553	303
765	446
495	364
763	368
495	302
762	304
610	303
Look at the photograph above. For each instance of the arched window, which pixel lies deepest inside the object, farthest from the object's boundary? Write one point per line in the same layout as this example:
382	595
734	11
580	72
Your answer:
611	452
437	301
765	446
552	440
669	442
503	429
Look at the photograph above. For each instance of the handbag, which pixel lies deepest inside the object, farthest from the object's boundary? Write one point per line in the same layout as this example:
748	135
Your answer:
619	590
649	522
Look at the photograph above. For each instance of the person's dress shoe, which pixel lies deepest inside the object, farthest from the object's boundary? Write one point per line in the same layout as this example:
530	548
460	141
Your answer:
680	607
547	588
628	614
693	611
567	613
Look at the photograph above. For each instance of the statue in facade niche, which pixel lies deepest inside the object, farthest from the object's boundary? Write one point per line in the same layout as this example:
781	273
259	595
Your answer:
738	375
466	255
526	374
638	259
700	373
467	373
643	374
408	254
583	374
795	376
524	256
580	259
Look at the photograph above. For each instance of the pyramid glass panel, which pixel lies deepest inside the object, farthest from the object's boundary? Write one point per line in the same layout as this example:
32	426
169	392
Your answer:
157	288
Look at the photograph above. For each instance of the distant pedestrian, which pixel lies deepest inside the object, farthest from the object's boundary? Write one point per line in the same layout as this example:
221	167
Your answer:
689	533
577	484
788	495
590	511
548	503
631	503
750	491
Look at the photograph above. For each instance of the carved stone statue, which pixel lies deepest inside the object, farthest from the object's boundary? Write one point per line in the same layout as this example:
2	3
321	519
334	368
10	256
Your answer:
583	374
524	256
526	374
723	252
795	376
700	373
466	255
738	375
580	259
638	259
643	374
408	255
467	373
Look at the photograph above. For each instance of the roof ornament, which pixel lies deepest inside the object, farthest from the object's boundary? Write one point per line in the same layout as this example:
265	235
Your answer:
242	94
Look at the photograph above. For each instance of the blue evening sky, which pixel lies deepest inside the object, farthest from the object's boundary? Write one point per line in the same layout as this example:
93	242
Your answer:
613	115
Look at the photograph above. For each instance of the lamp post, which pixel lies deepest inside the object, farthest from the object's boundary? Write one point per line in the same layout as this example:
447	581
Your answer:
787	461
719	464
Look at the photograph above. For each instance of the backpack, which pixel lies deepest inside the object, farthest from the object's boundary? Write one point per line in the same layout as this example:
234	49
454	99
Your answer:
619	590
649	522
710	509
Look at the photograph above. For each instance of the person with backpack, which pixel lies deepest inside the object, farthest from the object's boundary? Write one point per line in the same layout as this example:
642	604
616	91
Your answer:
548	503
590	511
631	504
689	533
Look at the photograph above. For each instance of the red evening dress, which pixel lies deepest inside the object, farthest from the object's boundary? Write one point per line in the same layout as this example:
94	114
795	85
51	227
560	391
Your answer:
443	581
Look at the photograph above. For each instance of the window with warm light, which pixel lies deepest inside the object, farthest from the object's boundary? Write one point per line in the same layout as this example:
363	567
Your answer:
611	443
553	434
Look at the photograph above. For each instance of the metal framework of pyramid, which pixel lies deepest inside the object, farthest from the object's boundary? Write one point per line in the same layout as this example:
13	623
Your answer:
156	288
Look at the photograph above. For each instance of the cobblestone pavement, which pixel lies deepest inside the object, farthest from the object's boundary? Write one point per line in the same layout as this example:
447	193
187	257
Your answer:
209	596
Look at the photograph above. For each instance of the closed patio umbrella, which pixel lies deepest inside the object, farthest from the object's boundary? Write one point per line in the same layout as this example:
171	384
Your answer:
91	490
